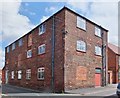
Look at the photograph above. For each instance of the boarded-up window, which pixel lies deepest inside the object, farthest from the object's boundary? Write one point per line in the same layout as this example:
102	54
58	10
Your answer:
81	73
19	59
30	40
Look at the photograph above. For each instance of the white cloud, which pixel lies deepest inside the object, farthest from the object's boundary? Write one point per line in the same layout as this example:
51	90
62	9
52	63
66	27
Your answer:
82	5
106	14
103	13
12	24
50	9
43	18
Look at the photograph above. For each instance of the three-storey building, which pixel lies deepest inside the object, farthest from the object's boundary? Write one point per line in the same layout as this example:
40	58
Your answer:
66	51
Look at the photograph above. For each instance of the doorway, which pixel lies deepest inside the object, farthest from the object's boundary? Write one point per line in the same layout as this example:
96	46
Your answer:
97	77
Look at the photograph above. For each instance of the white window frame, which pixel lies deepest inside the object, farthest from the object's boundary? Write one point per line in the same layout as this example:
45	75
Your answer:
41	49
98	31
8	49
81	23
28	74
81	46
42	29
13	46
12	74
19	74
20	42
29	53
40	72
98	50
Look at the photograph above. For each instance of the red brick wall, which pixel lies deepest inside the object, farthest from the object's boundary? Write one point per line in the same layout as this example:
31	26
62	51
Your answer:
68	62
3	76
37	61
75	59
112	64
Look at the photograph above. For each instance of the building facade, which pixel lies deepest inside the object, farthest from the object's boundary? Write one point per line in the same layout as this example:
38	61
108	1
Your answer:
66	51
113	63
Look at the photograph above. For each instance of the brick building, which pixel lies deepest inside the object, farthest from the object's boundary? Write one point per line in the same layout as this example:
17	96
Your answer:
66	51
113	63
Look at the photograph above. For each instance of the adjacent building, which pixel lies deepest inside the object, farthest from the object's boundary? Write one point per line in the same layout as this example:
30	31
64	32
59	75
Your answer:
66	51
113	63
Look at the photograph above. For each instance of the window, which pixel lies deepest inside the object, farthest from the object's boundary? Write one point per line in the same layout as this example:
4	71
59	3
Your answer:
29	53
12	75
19	74
41	73
20	42
97	31
13	46
8	49
28	74
81	46
98	50
41	49
42	29
97	70
81	23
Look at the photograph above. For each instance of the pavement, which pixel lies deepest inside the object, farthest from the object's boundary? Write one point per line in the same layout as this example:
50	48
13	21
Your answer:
93	91
8	90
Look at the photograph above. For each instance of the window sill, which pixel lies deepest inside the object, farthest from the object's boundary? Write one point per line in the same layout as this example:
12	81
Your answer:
98	55
81	51
28	79
29	57
81	29
41	53
40	79
98	36
41	33
13	49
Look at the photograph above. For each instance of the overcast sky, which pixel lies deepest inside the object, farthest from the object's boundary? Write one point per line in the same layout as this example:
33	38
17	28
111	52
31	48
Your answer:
17	18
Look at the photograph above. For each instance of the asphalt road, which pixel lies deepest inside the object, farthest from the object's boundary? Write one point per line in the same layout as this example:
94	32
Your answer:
6	89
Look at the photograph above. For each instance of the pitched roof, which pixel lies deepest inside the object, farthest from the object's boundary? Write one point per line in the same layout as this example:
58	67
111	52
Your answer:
114	48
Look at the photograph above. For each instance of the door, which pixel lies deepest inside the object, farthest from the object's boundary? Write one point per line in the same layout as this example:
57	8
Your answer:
97	77
108	78
6	77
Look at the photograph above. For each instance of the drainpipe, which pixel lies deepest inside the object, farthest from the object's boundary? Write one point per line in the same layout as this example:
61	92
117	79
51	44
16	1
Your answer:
102	62
53	52
104	67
